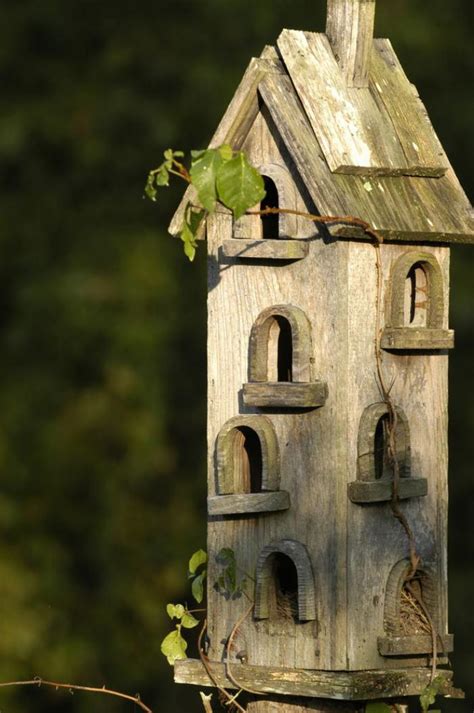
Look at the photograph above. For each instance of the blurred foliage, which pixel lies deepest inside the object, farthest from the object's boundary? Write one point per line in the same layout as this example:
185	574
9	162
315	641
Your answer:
102	379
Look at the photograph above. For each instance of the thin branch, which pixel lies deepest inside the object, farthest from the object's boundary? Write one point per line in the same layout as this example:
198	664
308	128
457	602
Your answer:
74	687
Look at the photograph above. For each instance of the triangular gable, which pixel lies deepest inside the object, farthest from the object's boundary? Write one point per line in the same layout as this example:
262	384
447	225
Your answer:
236	122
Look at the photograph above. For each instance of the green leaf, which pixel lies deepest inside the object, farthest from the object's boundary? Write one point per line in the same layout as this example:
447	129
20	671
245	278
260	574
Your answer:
175	611
225	556
150	189
189	241
162	176
169	154
197	559
189	621
428	697
197	587
203	175
239	185
378	708
174	646
226	152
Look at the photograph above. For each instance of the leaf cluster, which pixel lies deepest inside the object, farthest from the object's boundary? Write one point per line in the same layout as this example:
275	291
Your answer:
229	584
219	175
174	645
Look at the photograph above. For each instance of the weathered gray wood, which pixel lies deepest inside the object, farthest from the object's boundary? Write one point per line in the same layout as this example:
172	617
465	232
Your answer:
399	208
394	93
245	503
351	686
380	491
228	456
311	442
350	30
265	249
405	645
285	394
422	338
357	134
418	385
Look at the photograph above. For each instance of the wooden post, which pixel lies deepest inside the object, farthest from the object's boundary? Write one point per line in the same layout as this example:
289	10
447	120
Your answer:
350	29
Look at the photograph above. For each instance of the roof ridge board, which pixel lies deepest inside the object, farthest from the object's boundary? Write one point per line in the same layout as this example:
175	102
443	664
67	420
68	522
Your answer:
234	125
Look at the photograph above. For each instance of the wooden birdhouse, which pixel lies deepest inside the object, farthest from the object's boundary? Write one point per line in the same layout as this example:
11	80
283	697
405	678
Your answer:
328	366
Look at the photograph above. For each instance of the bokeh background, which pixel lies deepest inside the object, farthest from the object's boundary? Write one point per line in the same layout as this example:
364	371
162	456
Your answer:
102	324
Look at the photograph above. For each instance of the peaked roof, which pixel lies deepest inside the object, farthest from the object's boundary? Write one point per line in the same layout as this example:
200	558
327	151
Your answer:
369	153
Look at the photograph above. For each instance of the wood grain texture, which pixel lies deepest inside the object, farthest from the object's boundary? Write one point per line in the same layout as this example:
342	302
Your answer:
265	249
362	131
246	503
350	30
381	490
285	395
357	686
417	338
399	208
406	645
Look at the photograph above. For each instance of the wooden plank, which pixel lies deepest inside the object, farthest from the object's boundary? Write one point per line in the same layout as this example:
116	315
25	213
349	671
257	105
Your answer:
421	338
356	133
399	208
235	124
265	249
419	644
242	503
381	491
341	685
285	395
395	95
350	30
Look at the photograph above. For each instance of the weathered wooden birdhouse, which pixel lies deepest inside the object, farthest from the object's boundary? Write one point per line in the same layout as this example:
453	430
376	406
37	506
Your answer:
328	376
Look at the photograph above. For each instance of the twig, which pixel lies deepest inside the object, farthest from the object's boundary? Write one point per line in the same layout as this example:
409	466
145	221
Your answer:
228	649
74	687
206	663
206	702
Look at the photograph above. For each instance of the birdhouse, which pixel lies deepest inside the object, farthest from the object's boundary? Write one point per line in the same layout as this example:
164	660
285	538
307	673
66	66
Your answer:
328	377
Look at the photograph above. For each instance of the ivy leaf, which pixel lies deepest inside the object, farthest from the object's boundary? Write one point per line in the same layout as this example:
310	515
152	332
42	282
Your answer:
197	559
428	697
197	587
225	557
189	230
150	189
175	611
203	175
378	708
162	176
189	621
169	154
239	185
226	152
174	646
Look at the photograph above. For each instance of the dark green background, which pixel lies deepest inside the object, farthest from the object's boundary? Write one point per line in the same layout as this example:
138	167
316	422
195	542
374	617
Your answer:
102	323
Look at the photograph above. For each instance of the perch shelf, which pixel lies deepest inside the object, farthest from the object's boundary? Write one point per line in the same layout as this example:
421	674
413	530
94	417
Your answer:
379	491
285	394
247	503
267	249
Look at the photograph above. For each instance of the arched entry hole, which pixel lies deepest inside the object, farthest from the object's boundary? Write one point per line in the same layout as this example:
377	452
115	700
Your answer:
415	601
284	589
280	350
270	223
417	296
247	460
382	465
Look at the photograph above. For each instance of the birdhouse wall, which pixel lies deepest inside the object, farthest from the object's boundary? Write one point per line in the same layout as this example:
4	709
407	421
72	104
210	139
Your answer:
351	546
